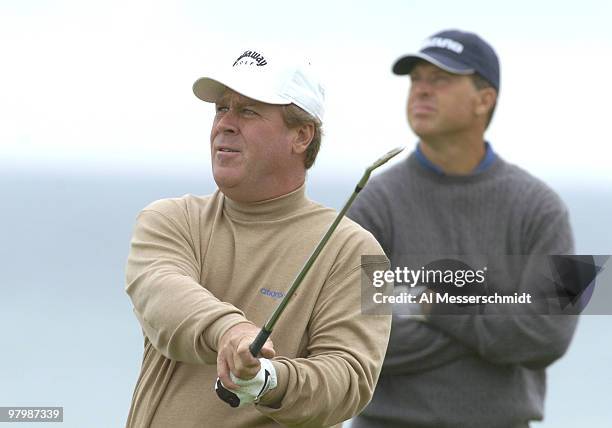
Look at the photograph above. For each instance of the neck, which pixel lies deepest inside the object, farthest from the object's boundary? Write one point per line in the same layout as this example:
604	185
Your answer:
454	156
258	192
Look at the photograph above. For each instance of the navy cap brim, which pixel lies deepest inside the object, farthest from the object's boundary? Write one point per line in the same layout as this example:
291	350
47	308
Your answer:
405	64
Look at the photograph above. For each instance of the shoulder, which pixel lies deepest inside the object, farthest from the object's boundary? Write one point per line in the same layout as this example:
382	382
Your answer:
381	191
180	209
349	236
389	179
359	238
528	189
354	249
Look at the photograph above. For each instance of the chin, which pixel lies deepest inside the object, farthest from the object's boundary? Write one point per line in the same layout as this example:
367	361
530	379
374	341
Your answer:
226	179
225	183
420	126
422	133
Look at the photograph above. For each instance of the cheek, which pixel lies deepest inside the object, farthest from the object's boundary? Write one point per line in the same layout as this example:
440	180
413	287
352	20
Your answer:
213	132
409	102
460	108
273	150
272	142
410	99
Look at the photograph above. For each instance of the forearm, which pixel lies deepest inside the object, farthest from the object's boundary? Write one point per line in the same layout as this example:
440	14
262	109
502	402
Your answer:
534	341
318	391
344	357
532	334
182	320
416	346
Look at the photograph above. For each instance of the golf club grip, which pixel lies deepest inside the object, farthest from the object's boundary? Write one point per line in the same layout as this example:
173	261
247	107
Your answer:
259	341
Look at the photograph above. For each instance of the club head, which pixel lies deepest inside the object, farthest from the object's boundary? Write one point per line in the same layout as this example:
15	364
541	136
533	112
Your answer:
386	157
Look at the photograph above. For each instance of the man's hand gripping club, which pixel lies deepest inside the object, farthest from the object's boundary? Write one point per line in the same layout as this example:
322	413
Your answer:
243	379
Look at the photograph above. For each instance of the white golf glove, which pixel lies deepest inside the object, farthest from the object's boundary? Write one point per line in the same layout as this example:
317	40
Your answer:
250	390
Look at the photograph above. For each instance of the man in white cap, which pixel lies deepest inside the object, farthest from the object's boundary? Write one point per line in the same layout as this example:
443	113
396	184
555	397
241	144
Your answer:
204	272
455	195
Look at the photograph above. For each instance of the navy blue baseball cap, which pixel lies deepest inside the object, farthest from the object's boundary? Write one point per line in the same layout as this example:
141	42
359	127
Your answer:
457	52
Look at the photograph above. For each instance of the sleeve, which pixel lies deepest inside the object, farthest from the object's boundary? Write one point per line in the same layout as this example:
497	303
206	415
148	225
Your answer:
371	212
345	354
180	317
534	340
413	346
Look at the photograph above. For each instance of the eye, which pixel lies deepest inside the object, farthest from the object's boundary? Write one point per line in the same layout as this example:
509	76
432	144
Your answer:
440	79
220	108
249	112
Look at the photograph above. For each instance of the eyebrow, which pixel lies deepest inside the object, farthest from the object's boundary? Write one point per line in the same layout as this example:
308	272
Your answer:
435	74
241	101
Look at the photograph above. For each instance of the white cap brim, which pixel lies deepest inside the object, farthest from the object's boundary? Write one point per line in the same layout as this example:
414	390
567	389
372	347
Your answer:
209	89
269	81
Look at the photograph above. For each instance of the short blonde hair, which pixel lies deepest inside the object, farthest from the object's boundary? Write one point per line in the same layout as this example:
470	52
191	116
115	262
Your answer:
294	116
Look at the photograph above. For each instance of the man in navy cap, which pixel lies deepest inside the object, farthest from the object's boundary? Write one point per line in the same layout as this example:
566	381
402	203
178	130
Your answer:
455	195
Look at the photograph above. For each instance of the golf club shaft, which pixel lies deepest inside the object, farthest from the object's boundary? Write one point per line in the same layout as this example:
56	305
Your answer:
230	397
266	330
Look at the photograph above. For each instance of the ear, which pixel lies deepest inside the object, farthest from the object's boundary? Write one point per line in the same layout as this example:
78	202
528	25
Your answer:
487	97
303	137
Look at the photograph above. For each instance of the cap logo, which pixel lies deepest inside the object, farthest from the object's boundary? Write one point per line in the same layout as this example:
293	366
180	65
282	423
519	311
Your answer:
444	43
250	58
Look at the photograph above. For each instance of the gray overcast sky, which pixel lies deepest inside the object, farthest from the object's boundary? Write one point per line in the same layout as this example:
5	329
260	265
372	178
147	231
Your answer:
107	85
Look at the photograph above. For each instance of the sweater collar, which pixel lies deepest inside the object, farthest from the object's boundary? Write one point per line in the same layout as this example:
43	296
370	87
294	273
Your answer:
420	169
270	209
485	163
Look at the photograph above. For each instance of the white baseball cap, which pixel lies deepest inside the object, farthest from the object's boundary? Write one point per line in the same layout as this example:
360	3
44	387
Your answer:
268	78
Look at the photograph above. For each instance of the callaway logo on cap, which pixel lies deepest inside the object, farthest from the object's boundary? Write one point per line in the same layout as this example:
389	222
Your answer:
267	77
250	58
457	52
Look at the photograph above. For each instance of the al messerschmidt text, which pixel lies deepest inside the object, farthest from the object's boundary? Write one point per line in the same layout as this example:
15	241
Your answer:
496	298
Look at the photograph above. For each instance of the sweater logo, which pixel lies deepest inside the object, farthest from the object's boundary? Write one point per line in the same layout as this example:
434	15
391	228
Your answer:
271	293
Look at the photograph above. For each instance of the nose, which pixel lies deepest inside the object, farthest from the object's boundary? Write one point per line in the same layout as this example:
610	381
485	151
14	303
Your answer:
421	87
226	122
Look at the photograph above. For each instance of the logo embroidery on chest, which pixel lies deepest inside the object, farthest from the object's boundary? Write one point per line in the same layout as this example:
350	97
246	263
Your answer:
271	293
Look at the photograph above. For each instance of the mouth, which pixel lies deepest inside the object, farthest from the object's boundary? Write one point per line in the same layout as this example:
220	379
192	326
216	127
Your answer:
421	108
227	150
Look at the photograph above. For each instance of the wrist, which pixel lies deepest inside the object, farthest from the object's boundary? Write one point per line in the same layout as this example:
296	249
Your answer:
270	378
250	391
220	328
274	397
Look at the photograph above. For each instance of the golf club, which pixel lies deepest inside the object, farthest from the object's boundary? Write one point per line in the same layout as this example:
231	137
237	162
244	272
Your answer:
225	394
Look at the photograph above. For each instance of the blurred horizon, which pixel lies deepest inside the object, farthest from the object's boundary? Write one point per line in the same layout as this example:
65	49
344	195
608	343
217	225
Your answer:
68	323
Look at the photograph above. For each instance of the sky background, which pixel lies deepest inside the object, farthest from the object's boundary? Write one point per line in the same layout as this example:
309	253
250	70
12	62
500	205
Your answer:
106	86
97	119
